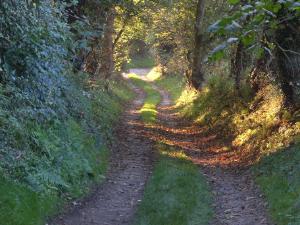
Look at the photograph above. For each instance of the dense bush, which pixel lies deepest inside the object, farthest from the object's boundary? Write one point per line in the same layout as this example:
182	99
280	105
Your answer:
54	128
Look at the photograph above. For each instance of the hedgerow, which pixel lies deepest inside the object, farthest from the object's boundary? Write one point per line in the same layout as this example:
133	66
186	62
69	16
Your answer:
54	128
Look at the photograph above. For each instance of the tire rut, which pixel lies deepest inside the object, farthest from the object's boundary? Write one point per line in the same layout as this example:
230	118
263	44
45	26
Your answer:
237	199
115	201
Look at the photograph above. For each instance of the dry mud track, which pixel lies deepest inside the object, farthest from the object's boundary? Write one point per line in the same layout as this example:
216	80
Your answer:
115	201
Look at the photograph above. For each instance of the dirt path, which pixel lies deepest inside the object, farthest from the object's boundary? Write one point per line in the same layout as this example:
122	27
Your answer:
237	200
114	203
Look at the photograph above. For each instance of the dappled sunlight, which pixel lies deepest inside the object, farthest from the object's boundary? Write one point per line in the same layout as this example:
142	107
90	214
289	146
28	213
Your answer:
266	128
145	74
243	138
197	144
210	142
175	154
154	74
187	97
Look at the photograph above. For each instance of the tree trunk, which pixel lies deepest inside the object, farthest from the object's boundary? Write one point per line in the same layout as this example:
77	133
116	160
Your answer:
197	76
75	11
288	59
107	63
237	65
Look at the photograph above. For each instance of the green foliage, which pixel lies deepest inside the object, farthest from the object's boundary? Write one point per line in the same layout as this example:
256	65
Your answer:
34	58
176	194
279	177
254	23
215	104
174	84
60	158
107	105
171	26
22	206
55	125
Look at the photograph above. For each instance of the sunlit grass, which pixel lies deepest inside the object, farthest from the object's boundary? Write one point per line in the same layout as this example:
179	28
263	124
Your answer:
174	84
175	154
154	74
141	62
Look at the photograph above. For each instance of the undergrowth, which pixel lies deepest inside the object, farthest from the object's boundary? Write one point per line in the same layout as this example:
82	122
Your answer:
55	125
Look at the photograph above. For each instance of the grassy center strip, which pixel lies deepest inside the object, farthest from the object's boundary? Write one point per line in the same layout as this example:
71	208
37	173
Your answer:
149	110
176	194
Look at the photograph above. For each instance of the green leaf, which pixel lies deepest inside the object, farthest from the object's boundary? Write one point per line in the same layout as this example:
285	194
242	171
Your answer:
233	2
232	40
218	52
248	39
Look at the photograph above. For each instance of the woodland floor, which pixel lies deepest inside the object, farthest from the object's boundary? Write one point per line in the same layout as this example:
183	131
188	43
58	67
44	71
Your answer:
237	200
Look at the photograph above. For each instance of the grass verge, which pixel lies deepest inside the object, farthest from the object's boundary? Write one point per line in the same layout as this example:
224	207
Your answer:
177	194
278	175
174	84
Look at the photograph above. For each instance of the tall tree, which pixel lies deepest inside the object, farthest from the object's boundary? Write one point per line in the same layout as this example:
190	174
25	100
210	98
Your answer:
106	65
287	39
197	76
